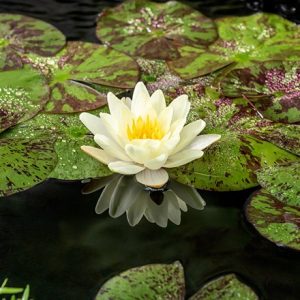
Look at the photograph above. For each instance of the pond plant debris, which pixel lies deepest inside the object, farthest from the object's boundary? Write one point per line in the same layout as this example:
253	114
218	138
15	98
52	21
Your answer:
239	75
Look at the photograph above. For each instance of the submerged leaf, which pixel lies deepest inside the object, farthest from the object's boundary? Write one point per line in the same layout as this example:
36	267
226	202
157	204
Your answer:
151	282
227	287
276	221
154	30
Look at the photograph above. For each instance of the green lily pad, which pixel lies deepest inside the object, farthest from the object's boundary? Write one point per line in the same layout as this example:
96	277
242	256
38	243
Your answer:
19	34
282	181
25	163
272	86
72	71
227	287
260	36
239	146
151	282
70	134
276	221
23	93
154	30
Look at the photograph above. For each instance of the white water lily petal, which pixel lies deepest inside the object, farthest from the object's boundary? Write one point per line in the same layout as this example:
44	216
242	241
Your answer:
183	157
165	119
98	154
182	205
93	123
140	104
110	146
188	134
203	141
117	108
126	168
158	101
181	107
158	213
157	162
143	150
126	101
153	178
137	210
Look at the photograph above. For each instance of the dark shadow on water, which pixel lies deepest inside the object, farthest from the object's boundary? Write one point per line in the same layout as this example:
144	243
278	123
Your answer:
51	238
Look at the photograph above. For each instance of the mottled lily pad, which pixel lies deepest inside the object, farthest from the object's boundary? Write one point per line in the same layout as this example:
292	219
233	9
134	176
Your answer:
19	34
282	181
77	66
276	221
25	163
23	93
227	287
154	30
70	134
260	36
151	282
232	162
273	87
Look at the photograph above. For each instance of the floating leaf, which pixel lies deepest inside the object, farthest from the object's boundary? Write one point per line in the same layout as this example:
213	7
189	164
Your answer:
154	30
282	181
151	282
276	221
71	134
25	163
273	87
19	34
77	66
239	146
23	93
231	163
260	36
227	287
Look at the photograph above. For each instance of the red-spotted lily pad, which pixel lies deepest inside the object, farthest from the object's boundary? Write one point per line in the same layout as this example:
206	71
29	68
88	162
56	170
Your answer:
232	162
70	134
151	282
25	163
154	30
273	87
227	287
282	181
19	34
23	93
72	70
275	220
260	36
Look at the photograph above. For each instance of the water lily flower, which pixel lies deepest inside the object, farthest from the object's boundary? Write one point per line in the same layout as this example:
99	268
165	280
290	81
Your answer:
144	136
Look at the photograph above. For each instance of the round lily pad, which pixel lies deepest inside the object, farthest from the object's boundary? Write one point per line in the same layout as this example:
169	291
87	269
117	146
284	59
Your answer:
25	163
272	86
282	181
70	134
154	30
260	36
72	71
276	221
19	34
151	282
227	287
232	162
23	93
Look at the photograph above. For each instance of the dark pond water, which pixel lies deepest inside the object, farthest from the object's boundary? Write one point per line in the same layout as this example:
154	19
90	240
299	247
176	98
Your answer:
51	238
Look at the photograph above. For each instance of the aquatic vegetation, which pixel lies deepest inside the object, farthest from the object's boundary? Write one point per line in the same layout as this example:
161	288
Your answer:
161	281
241	75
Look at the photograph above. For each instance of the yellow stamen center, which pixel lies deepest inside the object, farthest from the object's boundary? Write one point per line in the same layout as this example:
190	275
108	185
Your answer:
145	129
